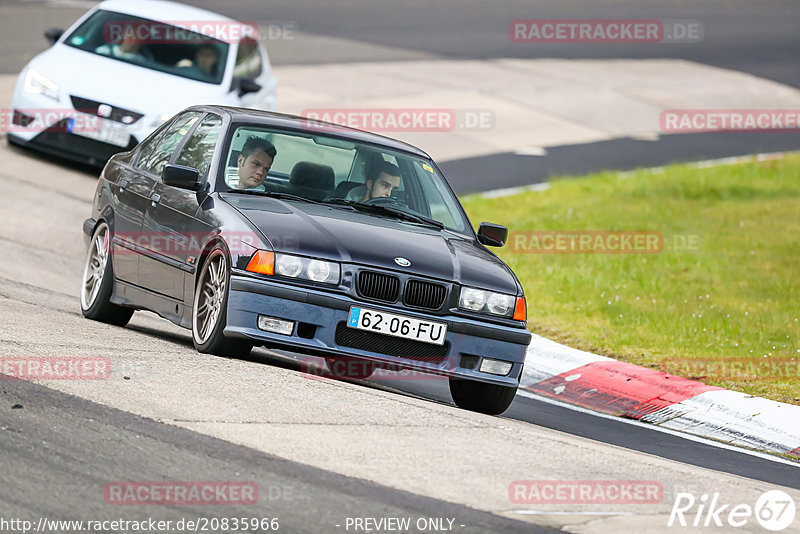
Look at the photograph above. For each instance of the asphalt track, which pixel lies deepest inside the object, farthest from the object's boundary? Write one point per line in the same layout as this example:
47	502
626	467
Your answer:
59	451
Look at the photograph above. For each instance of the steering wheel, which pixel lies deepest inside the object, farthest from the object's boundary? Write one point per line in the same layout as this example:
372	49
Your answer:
384	201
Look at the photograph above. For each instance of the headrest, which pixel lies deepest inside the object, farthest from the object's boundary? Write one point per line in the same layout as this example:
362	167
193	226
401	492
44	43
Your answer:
312	176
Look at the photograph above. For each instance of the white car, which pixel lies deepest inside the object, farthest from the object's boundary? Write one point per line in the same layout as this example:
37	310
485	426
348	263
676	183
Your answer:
125	67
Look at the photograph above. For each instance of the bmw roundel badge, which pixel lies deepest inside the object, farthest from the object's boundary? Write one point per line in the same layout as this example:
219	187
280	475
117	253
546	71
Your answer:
402	262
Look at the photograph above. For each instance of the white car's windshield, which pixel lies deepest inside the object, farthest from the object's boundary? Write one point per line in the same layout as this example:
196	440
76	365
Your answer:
324	168
153	45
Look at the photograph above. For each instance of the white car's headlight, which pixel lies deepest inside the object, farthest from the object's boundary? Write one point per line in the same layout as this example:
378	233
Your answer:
499	304
326	272
37	84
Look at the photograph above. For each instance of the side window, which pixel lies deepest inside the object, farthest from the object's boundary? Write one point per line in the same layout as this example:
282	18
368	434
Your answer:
198	150
248	60
147	149
158	157
440	203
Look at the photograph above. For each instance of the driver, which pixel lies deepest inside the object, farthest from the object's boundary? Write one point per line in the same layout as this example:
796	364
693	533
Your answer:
382	180
254	162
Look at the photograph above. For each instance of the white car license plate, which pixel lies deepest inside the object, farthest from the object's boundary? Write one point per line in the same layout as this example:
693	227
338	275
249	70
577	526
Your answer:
397	325
101	130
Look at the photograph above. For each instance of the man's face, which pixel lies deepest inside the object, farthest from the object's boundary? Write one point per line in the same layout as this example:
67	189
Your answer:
382	186
253	169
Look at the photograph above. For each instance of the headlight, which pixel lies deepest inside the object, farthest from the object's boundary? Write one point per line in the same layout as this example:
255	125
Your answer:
37	84
472	299
289	265
326	272
500	304
319	271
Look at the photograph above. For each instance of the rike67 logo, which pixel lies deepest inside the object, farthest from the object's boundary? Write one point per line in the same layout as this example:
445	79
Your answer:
774	510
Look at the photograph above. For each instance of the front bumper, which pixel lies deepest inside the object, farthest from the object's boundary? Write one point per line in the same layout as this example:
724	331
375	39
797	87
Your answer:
44	129
320	330
70	146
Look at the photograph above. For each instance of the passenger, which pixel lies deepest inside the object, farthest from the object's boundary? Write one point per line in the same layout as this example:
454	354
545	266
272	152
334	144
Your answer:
129	49
382	180
254	162
205	62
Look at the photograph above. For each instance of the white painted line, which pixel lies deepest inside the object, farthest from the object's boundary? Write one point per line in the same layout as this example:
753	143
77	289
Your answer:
546	358
530	151
740	419
684	434
544	512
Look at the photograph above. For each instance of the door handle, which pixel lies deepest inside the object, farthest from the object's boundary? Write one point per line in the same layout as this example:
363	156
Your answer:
123	184
155	198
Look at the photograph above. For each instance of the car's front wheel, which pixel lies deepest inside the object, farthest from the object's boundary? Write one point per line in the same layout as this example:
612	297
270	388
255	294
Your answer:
210	309
98	282
481	397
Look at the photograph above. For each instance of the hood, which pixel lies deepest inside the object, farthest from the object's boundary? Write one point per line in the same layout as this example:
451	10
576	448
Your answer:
374	241
121	84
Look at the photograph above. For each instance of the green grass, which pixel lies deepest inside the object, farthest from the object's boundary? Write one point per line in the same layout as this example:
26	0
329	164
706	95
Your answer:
734	297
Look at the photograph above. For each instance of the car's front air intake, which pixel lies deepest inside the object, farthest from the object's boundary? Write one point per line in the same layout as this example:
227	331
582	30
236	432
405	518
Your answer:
424	294
378	286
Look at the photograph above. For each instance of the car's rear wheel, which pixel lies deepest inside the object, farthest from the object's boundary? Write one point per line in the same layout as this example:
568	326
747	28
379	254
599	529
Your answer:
210	308
98	282
481	397
350	368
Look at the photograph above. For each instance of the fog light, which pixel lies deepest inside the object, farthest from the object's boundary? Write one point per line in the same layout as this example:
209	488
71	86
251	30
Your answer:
495	367
275	325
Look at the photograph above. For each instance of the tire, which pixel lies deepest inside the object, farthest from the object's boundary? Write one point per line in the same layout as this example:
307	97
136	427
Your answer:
98	282
210	308
480	397
350	368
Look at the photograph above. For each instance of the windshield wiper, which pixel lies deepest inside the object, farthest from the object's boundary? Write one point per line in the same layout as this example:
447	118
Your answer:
274	194
376	208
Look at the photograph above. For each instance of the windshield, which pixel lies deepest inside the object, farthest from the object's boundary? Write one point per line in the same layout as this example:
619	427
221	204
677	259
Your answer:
152	45
322	168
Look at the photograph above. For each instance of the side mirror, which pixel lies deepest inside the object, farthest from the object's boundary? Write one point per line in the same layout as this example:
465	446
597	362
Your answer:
53	34
246	85
492	235
182	177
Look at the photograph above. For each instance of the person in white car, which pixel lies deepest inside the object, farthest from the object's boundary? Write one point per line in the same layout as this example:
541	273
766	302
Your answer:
129	49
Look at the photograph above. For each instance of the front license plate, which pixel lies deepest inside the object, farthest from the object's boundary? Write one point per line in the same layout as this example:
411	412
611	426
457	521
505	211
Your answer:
99	129
397	325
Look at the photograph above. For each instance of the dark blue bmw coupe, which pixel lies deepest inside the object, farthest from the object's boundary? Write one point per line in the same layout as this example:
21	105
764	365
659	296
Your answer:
254	228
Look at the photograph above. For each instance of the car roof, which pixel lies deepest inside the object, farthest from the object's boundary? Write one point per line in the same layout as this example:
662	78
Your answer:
161	10
295	122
